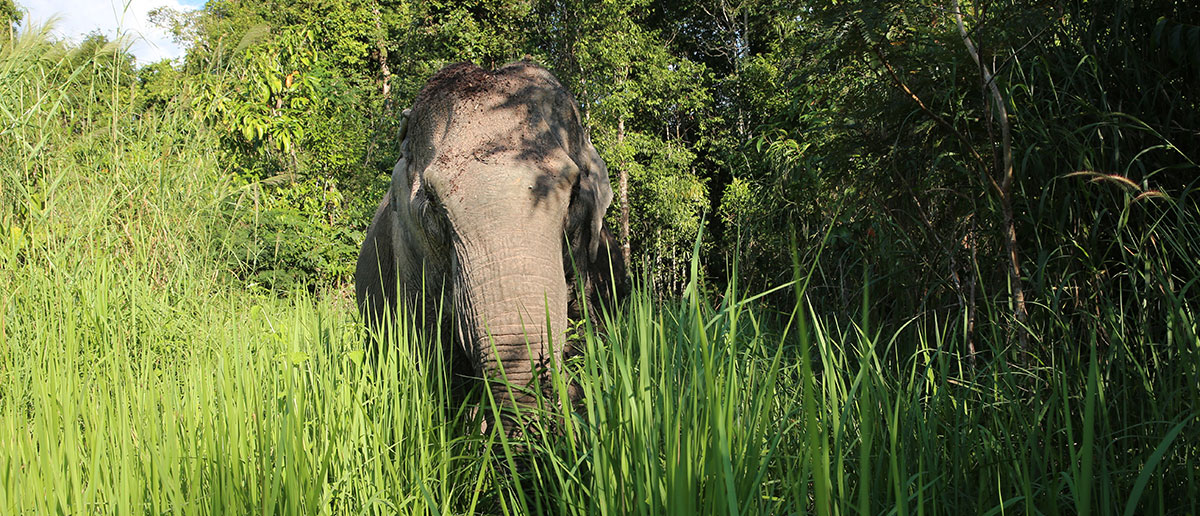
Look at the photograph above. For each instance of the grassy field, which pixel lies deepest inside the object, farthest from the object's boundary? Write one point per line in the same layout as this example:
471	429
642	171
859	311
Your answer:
134	379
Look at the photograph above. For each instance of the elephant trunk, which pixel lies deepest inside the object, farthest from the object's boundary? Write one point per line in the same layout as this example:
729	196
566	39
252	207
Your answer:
511	300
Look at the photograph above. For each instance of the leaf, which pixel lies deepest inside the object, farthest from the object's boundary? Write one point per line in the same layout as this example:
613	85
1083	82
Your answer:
1152	464
1194	45
1156	36
297	357
1176	46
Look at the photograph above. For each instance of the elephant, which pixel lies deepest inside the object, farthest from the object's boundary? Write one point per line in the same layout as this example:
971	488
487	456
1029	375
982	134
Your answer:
496	213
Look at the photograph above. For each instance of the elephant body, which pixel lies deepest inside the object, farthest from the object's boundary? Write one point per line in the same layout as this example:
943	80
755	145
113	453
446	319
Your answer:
494	216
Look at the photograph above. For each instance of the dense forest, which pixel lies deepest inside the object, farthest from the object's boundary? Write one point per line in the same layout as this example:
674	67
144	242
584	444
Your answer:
947	154
949	224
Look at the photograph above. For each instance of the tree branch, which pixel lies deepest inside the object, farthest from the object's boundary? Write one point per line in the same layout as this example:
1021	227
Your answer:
1010	231
936	117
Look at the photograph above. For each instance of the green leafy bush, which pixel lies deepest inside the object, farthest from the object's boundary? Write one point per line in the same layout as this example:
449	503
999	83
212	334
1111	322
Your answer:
287	237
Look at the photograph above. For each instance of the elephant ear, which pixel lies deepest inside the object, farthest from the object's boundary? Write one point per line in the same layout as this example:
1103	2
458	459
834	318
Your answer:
595	191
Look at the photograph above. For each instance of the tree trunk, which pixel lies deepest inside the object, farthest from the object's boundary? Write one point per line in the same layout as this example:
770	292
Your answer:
380	41
623	190
1005	186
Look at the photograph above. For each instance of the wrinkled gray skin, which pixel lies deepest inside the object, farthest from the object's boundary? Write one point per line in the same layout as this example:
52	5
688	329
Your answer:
497	193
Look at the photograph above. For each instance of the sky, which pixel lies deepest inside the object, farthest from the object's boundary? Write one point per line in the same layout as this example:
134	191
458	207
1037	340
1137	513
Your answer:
79	17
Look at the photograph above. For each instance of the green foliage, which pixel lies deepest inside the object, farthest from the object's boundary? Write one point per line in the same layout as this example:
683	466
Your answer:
866	121
1180	40
158	84
295	131
666	201
263	109
285	243
869	121
84	180
639	101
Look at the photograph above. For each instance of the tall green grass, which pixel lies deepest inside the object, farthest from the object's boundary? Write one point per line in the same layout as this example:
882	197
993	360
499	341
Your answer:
134	380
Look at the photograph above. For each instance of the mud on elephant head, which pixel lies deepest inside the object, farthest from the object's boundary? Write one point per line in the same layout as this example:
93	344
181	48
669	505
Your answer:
496	213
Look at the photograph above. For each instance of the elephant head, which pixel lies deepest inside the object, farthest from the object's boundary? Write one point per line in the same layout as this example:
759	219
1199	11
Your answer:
496	210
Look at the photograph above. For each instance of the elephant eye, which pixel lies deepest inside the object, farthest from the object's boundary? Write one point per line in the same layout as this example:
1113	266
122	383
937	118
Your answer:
432	212
434	204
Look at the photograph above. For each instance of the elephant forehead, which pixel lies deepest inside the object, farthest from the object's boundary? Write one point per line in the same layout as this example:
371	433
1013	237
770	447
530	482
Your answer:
465	83
505	182
481	131
507	157
535	118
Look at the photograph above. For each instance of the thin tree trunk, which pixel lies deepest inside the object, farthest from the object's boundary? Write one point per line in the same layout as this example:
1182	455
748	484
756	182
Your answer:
971	244
623	190
1010	230
380	41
